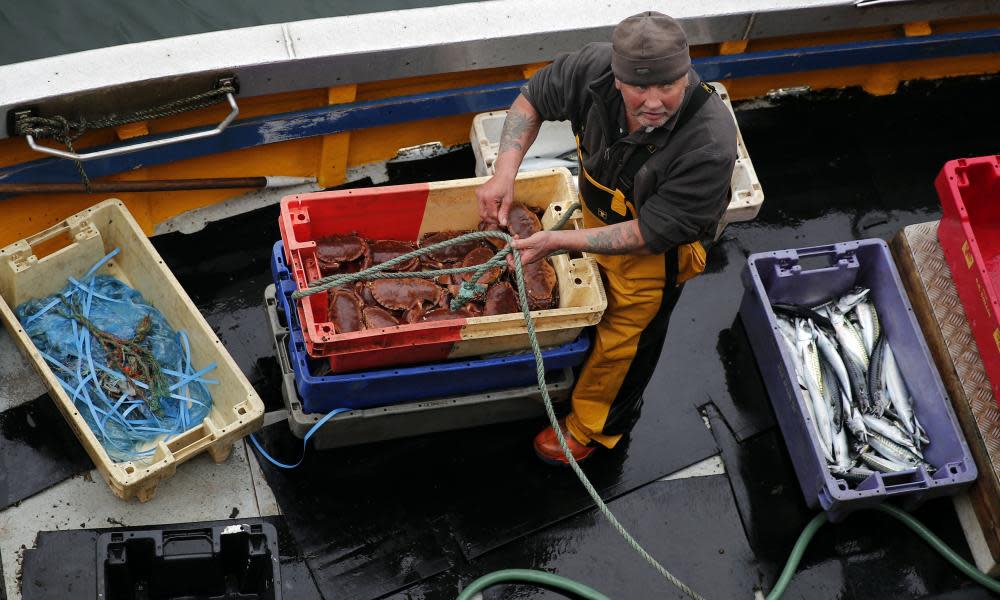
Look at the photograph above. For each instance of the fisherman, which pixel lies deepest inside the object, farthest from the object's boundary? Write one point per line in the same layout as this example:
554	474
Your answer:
656	148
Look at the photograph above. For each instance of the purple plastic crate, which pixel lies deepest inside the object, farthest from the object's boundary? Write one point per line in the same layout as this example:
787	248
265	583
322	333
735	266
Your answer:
811	276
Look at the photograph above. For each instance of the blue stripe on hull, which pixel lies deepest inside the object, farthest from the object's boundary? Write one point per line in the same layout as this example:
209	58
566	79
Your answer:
361	115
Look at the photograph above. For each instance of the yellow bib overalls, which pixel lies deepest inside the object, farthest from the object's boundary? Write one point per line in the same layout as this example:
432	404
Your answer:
642	291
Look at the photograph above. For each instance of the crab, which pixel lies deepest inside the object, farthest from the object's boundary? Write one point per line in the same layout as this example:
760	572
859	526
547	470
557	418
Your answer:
541	285
346	311
477	256
342	254
448	254
501	299
496	242
376	317
522	221
385	250
365	293
406	293
446	314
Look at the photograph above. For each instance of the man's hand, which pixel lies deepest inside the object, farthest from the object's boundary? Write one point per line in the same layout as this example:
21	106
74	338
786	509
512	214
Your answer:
622	238
495	197
519	131
536	247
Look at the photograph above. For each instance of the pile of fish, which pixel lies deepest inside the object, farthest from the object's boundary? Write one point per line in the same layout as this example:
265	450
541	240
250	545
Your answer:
857	401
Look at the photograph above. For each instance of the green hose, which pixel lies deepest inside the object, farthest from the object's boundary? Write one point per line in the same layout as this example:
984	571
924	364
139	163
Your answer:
975	574
562	583
935	542
797	551
531	576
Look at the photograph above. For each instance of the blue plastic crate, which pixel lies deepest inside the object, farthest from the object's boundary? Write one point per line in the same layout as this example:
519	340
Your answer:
382	387
786	276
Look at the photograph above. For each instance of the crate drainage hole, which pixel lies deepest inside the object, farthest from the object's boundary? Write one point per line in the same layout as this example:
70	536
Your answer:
810	263
129	470
242	411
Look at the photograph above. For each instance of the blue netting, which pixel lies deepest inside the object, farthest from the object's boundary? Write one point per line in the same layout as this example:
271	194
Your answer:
94	332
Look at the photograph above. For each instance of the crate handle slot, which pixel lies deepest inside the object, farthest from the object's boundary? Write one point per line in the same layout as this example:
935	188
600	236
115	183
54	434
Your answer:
817	251
817	262
908	481
814	258
281	349
190	443
61	229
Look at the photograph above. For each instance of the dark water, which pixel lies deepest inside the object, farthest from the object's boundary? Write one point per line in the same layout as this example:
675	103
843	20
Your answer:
42	28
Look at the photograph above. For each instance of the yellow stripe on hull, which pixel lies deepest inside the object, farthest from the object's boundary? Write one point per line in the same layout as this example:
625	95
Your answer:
328	158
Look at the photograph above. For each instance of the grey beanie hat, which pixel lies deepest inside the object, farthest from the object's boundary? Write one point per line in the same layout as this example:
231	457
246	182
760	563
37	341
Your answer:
649	48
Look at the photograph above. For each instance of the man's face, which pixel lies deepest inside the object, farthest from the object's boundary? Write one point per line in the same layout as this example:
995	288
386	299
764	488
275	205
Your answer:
652	105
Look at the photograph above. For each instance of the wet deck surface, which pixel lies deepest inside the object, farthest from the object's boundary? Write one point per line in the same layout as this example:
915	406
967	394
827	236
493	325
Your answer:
419	518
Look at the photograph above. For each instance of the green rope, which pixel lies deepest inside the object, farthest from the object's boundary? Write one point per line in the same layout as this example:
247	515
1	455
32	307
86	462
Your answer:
62	129
130	356
379	271
470	288
65	131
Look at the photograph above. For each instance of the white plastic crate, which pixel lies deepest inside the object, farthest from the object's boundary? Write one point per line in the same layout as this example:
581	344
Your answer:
40	265
745	195
555	140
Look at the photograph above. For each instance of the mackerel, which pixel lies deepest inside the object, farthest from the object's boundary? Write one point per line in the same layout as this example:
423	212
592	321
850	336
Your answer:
883	465
851	299
841	453
866	319
891	431
828	347
892	450
854	357
832	395
810	373
876	378
852	416
897	393
921	437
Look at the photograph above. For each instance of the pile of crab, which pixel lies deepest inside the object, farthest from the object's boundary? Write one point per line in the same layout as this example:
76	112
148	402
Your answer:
379	303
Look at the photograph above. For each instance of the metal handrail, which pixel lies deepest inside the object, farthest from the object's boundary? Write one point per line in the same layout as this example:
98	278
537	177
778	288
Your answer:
109	152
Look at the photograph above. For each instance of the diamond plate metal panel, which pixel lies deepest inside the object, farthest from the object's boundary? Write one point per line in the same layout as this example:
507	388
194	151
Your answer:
934	298
936	277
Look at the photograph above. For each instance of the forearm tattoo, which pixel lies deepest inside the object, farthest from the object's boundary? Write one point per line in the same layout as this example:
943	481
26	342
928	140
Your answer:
514	127
623	238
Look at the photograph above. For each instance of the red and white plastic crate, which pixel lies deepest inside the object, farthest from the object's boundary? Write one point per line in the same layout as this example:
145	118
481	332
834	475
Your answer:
406	212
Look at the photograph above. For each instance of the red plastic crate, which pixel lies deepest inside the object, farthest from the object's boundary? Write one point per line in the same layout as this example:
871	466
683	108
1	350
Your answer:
405	213
969	190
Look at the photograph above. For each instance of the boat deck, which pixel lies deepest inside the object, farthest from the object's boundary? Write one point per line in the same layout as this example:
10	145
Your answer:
420	517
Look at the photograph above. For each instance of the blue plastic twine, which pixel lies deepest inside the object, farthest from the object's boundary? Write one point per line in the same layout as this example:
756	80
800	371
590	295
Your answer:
122	422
